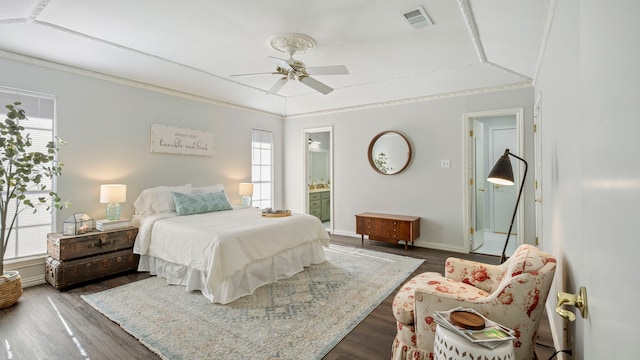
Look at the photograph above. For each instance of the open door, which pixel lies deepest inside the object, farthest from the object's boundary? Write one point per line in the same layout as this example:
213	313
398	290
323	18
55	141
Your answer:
479	197
489	208
318	174
503	198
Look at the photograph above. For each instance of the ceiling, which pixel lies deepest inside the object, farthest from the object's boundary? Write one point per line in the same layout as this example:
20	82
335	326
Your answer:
193	47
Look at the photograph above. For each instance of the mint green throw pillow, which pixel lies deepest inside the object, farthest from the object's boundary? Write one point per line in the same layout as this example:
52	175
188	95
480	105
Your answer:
188	204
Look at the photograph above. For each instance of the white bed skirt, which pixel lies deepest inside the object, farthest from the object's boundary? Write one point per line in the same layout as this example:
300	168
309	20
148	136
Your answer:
256	274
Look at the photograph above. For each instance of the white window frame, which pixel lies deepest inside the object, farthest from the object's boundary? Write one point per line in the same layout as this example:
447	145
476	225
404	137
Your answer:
262	168
29	235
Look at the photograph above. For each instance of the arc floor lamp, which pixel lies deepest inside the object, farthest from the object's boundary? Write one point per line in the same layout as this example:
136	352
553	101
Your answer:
502	174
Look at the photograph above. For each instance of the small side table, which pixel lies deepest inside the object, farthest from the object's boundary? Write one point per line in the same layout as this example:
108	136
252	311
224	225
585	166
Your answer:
450	346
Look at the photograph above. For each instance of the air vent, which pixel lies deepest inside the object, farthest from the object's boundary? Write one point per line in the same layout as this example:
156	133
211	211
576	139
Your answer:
417	18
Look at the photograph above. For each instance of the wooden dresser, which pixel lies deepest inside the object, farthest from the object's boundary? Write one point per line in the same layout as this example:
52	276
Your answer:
388	227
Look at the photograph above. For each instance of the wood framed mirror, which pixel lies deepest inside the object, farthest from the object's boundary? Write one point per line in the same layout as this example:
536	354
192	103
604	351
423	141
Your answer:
389	153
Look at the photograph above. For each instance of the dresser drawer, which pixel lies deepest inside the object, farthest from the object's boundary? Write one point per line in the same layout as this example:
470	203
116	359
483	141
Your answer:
314	196
402	229
317	212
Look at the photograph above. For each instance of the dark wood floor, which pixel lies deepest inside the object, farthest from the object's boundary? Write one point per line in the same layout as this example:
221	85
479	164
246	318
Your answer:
50	324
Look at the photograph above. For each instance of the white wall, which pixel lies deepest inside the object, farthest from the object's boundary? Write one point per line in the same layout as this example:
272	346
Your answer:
435	130
106	125
107	129
591	169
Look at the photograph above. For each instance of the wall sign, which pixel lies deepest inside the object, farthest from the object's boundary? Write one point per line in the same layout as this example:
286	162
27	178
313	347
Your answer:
176	140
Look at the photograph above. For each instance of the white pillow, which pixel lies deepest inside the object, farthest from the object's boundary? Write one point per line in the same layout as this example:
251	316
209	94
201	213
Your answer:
207	189
158	199
210	189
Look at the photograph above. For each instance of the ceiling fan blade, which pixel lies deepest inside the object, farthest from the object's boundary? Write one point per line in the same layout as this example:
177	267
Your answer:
251	74
328	70
281	62
315	84
277	86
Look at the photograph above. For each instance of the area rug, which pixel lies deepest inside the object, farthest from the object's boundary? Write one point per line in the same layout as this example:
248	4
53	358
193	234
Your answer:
302	317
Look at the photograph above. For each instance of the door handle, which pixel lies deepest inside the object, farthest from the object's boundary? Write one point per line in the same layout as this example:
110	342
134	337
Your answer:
578	300
482	189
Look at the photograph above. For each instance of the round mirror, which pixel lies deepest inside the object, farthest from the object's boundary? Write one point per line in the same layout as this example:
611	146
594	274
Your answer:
389	152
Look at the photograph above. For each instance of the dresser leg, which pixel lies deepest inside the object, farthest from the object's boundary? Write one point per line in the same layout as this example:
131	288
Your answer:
362	240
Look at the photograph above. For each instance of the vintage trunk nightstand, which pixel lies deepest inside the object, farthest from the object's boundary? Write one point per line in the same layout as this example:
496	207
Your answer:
76	259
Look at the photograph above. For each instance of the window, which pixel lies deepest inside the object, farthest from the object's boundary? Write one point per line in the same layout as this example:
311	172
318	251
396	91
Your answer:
29	235
262	168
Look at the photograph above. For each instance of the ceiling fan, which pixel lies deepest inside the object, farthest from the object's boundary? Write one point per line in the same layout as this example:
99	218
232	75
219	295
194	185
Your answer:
293	69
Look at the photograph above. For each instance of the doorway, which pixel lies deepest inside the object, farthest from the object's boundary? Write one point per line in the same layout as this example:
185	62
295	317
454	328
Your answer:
318	174
489	207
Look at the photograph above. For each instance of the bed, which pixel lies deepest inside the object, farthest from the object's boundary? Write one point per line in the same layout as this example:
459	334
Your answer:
225	253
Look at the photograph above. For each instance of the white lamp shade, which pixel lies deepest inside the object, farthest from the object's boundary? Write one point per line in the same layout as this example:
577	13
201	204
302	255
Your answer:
113	193
245	189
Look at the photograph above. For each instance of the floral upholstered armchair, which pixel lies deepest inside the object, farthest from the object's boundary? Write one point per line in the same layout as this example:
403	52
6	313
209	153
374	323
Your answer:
512	294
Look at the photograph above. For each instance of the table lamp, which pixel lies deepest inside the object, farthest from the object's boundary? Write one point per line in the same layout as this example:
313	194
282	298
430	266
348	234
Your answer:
502	174
246	191
113	195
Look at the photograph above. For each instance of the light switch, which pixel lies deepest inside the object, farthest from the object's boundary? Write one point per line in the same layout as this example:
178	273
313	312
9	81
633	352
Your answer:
445	163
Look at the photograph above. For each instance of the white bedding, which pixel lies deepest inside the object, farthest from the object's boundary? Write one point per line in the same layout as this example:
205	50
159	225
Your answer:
228	254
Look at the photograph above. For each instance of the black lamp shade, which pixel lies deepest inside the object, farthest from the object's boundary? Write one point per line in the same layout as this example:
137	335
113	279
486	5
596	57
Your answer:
502	173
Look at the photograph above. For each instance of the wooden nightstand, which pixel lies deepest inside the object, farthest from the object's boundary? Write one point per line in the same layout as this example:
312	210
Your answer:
77	259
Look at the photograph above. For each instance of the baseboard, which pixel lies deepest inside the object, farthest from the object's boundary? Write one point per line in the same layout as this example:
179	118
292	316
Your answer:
31	270
438	246
33	281
417	243
558	343
345	233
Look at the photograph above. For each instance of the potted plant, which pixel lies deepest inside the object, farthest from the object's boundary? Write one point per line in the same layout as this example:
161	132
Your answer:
381	163
21	170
